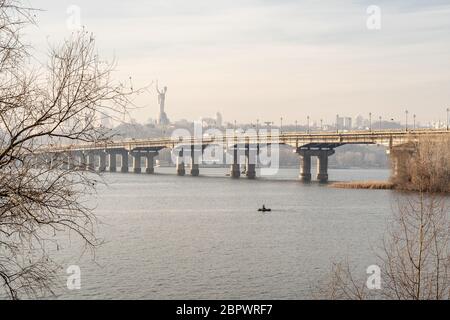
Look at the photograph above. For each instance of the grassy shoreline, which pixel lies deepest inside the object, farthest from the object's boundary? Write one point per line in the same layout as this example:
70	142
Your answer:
377	185
374	185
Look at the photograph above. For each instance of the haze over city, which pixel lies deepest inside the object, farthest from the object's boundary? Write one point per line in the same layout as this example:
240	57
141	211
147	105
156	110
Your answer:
265	59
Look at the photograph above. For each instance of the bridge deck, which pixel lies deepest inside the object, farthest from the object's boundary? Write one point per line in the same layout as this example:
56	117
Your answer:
295	139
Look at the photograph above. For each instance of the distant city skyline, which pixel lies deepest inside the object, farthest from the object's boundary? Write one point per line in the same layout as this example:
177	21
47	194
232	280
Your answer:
268	59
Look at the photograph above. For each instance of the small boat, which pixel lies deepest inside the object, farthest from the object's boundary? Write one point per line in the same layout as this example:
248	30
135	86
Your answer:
264	209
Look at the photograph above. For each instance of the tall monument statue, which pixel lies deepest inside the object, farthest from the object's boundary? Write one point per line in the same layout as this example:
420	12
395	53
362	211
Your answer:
163	120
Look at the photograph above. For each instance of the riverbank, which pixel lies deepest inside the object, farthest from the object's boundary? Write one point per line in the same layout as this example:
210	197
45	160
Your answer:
375	185
380	185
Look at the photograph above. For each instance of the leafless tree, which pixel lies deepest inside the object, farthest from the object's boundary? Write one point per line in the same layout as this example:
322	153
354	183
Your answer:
427	167
341	284
40	106
415	255
414	258
430	165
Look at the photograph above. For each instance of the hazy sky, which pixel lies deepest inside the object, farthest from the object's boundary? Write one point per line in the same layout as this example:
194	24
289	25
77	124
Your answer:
264	59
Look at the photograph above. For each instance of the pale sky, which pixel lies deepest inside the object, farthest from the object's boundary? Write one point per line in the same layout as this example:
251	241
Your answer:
263	59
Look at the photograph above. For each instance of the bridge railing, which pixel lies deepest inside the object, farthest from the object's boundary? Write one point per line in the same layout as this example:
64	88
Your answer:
291	138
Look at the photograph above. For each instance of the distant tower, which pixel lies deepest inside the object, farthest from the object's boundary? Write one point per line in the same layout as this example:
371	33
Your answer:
163	120
218	119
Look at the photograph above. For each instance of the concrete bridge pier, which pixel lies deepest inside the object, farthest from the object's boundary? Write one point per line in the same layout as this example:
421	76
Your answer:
196	154
90	155
102	161
112	161
61	161
180	164
70	161
305	165
80	160
67	161
250	172
400	157
322	165
124	164
235	171
251	156
51	161
47	160
64	161
195	171
149	166
136	162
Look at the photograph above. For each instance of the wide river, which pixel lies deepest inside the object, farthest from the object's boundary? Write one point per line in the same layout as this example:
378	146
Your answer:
169	237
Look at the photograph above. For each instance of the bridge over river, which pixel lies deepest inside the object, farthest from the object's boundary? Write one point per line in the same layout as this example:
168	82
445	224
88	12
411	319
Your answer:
243	149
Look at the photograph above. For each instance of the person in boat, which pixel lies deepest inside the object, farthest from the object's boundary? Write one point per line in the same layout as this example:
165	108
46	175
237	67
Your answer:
264	207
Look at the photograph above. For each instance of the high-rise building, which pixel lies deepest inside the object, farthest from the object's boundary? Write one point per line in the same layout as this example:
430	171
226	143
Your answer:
348	123
344	123
340	122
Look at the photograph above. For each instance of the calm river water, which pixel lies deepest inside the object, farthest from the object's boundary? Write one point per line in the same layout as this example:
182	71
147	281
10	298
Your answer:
169	237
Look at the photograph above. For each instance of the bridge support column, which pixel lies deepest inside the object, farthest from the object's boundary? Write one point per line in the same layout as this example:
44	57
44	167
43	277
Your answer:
149	166
251	171
71	161
322	165
124	164
235	171
112	160
136	162
49	161
251	153
180	164
90	155
305	165
400	156
102	161
65	161
80	160
196	153
195	171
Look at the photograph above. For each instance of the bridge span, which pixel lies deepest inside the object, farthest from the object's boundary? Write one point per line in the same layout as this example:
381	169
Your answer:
243	149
